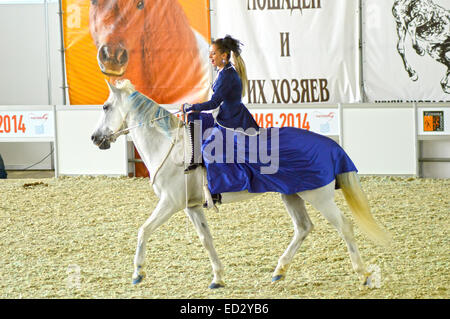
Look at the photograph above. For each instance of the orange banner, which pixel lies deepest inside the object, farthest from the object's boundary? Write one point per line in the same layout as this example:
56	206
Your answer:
160	46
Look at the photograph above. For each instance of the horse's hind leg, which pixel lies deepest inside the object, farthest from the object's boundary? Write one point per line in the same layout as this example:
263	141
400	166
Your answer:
441	53
401	31
323	200
197	217
446	79
445	82
302	227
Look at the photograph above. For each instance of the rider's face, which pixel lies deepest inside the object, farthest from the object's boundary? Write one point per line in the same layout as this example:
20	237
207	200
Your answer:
217	57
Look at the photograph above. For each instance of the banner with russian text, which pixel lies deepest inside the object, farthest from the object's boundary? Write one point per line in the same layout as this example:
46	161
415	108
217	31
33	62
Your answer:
406	50
296	51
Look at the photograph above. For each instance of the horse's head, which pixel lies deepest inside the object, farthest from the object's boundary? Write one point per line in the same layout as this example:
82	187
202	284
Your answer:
116	27
112	122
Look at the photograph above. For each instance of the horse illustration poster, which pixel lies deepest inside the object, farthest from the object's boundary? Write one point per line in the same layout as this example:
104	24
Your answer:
161	46
296	52
406	51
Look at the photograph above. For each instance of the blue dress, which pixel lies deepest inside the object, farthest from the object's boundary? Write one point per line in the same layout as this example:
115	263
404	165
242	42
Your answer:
285	160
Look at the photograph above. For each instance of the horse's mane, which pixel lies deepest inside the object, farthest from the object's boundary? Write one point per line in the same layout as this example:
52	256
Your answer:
148	110
125	85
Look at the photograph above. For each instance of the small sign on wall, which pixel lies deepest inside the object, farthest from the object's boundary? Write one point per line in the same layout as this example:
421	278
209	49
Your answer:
434	121
322	121
25	124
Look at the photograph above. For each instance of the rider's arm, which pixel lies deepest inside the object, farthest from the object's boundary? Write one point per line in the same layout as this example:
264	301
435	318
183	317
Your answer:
222	89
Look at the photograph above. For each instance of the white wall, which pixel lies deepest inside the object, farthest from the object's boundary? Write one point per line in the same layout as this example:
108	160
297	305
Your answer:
77	155
24	55
24	76
380	140
435	148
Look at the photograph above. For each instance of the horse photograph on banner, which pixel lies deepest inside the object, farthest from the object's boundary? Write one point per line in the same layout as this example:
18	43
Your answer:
428	25
152	44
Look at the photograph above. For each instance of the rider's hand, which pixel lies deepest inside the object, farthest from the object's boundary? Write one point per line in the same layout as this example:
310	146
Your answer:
186	107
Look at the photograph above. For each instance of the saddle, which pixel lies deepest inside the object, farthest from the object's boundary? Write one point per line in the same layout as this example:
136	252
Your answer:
189	150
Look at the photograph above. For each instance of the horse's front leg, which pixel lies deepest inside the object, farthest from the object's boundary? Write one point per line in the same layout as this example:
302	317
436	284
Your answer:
198	218
401	31
412	28
163	211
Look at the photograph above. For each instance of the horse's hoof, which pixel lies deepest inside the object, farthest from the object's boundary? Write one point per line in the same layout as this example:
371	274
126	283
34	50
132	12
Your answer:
419	50
277	278
414	77
367	281
138	279
445	87
216	285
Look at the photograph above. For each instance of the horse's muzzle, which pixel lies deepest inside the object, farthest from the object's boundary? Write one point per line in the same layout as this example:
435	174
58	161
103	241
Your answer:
112	59
102	141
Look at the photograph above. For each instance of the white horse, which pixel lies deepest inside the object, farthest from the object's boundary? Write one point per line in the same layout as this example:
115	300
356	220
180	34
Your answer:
159	138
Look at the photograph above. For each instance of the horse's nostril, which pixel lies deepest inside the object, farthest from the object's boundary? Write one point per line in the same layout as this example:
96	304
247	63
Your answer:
122	56
103	53
114	54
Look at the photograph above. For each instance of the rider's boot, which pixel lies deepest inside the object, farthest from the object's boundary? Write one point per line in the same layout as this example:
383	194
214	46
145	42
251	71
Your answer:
193	163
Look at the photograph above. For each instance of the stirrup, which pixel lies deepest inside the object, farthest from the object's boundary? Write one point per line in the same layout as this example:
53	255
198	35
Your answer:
217	199
191	168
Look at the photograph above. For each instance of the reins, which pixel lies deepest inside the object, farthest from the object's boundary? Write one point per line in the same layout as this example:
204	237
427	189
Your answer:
140	124
127	130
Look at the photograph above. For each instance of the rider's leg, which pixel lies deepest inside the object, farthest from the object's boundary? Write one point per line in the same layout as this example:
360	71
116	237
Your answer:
194	124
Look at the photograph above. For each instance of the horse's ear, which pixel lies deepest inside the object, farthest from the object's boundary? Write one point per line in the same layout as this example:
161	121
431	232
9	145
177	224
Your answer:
112	88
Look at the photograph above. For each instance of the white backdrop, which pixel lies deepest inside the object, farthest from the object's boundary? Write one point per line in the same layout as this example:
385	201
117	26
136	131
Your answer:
385	77
295	56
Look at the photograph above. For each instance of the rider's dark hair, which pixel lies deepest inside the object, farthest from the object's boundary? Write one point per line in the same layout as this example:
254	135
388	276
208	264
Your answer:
228	45
232	47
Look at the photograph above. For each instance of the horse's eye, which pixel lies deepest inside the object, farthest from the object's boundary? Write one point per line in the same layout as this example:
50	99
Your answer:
140	5
106	107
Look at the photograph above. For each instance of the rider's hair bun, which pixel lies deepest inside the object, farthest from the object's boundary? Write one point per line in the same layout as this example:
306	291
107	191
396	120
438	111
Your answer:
229	44
232	44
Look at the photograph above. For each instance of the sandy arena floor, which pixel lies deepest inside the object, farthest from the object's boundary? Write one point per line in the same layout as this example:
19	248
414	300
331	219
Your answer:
75	237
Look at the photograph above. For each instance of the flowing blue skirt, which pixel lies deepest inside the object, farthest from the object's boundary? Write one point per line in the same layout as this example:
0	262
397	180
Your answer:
285	160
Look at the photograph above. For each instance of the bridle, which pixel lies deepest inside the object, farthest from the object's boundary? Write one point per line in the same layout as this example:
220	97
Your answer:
127	130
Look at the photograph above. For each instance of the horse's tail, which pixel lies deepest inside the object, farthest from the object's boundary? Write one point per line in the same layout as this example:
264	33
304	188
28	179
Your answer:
359	206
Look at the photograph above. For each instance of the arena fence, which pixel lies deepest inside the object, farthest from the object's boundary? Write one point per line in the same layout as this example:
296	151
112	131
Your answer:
382	139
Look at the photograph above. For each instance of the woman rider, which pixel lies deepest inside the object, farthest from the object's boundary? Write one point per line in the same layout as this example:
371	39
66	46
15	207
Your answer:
299	159
229	87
